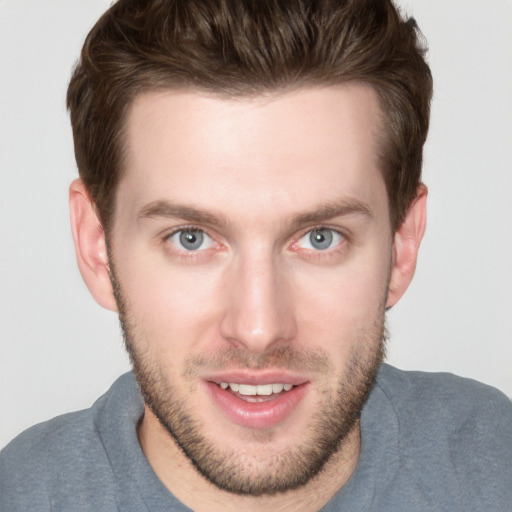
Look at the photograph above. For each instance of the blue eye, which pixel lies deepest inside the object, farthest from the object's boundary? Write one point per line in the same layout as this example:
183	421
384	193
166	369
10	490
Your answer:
191	239
320	239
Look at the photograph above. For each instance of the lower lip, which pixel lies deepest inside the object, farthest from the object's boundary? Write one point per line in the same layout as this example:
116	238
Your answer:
257	415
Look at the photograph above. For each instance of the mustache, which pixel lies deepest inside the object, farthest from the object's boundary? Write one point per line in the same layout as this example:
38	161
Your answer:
290	358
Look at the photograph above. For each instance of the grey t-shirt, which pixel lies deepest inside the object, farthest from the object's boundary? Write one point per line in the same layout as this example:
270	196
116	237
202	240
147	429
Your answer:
430	442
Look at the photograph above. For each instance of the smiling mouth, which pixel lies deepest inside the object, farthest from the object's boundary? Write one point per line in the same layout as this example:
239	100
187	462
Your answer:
256	393
257	403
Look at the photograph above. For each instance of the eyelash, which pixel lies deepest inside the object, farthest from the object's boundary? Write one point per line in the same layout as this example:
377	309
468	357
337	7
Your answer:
183	253
310	253
327	253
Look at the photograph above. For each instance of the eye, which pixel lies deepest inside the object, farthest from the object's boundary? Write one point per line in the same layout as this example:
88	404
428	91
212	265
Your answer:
191	239
320	239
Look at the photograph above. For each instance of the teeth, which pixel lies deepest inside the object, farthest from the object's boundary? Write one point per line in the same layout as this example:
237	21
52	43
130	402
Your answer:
264	389
246	389
260	389
277	388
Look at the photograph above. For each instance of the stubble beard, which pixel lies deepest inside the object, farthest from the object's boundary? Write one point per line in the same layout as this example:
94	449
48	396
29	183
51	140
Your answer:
336	416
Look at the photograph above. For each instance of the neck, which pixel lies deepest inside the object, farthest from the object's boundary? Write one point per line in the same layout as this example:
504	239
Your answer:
180	477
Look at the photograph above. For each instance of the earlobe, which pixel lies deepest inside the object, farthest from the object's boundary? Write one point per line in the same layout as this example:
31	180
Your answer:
406	245
90	245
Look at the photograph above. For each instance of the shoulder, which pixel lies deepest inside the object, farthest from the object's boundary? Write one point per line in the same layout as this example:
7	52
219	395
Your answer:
442	405
43	455
56	455
448	396
454	433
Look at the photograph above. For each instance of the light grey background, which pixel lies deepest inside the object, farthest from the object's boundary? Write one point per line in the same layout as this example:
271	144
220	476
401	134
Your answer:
59	350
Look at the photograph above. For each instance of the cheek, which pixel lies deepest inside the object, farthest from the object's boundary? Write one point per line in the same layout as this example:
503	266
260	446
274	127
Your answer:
338	303
169	306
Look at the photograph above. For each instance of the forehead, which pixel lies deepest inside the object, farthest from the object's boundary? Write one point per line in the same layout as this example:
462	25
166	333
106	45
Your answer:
301	147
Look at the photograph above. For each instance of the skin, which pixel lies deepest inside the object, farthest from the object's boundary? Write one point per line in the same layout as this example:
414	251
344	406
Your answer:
262	172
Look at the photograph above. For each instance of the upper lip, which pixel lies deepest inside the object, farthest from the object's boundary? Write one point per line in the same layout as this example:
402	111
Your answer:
255	378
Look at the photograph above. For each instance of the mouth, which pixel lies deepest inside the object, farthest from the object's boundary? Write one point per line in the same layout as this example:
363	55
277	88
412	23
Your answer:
257	405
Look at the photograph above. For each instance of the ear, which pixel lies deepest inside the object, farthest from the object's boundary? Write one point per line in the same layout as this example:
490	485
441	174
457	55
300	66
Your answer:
406	245
90	245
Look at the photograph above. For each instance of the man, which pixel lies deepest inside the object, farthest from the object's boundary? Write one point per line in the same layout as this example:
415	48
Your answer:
250	203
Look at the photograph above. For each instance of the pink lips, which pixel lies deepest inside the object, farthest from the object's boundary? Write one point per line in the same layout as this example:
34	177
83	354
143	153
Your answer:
261	414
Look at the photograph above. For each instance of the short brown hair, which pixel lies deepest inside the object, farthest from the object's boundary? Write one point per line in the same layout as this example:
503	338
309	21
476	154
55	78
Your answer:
249	47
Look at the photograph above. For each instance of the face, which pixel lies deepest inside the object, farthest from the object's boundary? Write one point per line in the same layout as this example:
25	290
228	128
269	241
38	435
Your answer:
251	255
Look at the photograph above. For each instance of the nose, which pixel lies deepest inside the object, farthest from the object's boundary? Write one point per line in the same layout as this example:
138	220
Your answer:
259	305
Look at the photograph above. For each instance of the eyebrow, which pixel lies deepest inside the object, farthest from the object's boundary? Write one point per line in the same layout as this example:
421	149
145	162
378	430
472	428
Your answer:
165	209
330	210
